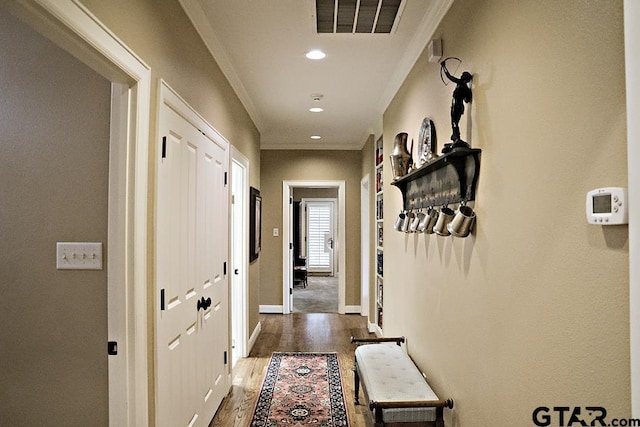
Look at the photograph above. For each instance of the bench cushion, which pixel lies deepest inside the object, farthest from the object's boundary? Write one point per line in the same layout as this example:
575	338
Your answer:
389	375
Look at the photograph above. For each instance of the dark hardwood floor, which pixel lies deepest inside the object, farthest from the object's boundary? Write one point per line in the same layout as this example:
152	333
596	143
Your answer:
318	332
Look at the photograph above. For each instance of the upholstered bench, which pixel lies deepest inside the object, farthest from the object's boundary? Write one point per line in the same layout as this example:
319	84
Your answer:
396	391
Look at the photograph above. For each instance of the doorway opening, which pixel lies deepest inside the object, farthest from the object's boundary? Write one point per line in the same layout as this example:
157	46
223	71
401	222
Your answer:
313	246
239	257
72	27
315	277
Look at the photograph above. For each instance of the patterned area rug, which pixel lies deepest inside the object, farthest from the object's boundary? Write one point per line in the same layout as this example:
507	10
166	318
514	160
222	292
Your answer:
301	389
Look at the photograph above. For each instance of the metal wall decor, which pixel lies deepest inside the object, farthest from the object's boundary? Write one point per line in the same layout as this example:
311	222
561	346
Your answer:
461	95
439	181
400	156
427	145
450	178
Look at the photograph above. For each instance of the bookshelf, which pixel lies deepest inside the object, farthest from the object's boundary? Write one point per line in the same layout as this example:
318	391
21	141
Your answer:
379	221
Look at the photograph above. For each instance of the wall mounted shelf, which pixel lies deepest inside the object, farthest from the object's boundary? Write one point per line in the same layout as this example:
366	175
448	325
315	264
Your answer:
450	178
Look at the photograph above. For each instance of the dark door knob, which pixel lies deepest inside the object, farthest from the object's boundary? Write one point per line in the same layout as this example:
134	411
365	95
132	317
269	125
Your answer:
203	303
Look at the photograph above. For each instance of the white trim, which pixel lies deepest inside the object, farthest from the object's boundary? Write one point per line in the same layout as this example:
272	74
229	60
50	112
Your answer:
254	337
198	18
173	100
365	244
287	258
242	264
632	61
287	261
69	24
271	309
342	146
352	309
376	329
435	13
372	327
116	274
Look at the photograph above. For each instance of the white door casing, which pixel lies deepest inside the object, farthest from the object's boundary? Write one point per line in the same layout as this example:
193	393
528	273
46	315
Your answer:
192	235
75	29
287	236
365	255
239	181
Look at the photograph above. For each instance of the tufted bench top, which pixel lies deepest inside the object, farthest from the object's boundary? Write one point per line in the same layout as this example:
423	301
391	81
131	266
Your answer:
389	375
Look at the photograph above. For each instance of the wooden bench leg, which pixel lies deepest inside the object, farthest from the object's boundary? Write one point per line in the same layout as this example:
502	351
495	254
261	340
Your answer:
378	417
356	383
439	417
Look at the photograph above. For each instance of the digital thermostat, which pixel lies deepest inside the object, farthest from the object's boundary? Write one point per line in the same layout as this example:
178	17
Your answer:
607	206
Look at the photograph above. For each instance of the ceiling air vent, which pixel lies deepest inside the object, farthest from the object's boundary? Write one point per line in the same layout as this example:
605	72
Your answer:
356	16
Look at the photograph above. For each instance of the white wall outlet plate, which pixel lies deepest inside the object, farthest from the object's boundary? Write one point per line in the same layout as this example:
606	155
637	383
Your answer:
79	255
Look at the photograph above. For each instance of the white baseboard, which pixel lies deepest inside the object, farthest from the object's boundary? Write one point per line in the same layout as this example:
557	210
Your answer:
375	329
352	309
254	337
372	327
271	309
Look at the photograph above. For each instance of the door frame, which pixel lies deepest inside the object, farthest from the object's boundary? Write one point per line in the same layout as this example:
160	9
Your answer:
287	239
76	30
243	264
365	242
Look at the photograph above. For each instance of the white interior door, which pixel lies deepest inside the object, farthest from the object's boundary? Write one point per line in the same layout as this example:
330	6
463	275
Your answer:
321	240
191	282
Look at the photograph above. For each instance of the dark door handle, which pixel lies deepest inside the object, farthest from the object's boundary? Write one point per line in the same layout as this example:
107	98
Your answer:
203	303
236	271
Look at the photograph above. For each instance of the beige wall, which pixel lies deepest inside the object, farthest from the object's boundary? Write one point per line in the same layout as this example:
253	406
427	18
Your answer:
54	148
313	165
532	309
314	193
162	35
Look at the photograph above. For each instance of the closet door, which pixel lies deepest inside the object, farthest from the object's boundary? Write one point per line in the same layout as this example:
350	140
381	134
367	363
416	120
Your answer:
191	282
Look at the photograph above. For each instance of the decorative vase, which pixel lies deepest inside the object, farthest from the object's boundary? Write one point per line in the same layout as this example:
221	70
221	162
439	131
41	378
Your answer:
400	156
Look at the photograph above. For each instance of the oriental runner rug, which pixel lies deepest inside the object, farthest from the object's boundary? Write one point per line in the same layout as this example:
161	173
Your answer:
301	389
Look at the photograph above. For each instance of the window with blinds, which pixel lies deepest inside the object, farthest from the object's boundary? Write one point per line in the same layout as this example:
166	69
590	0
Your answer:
320	236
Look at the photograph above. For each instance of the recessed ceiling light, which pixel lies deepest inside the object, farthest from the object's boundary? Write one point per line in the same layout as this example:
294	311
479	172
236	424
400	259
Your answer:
315	54
316	110
316	137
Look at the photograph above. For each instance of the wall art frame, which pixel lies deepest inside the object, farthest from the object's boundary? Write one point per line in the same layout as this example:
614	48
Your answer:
255	223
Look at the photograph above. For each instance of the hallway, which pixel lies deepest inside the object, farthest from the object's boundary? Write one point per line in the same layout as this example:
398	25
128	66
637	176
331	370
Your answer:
318	332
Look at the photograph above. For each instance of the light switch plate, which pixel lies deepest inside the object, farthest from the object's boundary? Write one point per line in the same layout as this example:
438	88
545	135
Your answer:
79	255
276	232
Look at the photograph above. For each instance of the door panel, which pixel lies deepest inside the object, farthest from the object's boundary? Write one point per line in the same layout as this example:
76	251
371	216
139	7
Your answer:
320	236
192	231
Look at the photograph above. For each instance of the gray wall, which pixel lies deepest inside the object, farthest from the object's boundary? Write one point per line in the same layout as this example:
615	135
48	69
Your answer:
54	142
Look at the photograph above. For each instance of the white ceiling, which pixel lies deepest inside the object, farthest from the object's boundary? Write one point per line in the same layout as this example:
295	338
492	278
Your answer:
260	45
